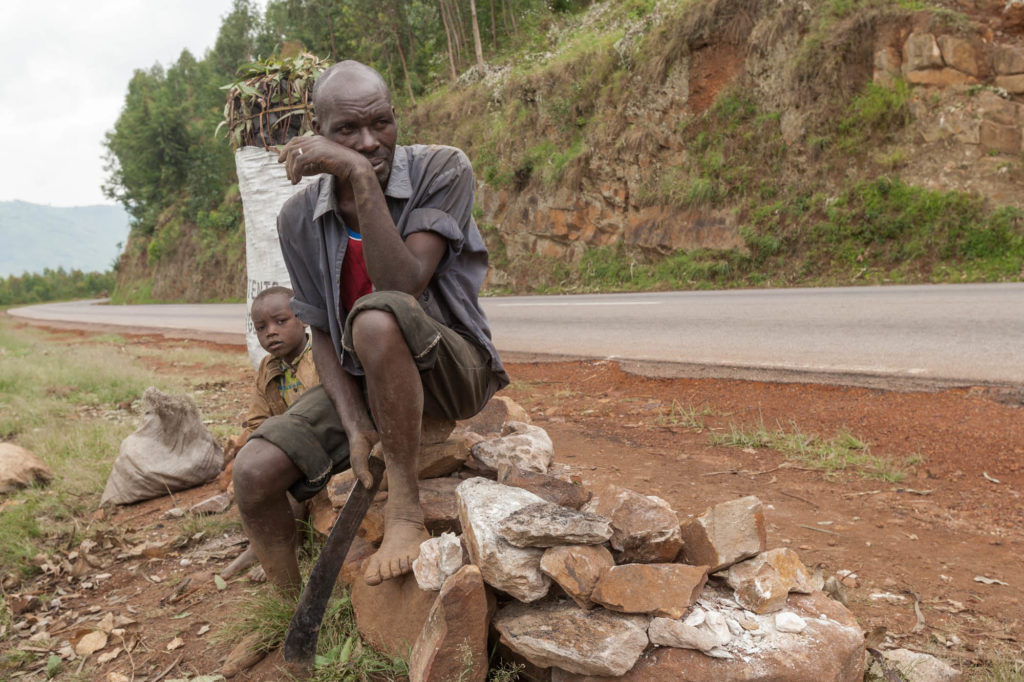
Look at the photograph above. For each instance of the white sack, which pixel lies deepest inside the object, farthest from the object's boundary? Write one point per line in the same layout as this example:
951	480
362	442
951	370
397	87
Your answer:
170	451
264	188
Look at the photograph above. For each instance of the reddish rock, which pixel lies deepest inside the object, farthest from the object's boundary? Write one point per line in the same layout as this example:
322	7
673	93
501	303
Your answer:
322	513
645	529
1012	84
441	459
1001	138
763	583
958	54
435	430
545	486
830	649
667	590
352	568
887	67
498	412
453	642
218	504
920	51
19	468
391	615
724	534
440	506
1007	59
942	78
576	569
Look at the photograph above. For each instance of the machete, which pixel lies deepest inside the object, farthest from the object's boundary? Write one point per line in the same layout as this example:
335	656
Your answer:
300	643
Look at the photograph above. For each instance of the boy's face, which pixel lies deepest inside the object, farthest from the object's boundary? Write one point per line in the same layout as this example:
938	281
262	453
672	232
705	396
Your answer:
280	333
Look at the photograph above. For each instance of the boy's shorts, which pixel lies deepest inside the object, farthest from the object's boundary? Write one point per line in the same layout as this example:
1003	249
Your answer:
455	373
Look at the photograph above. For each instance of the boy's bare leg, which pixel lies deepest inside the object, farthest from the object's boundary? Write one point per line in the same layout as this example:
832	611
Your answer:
248	557
262	475
396	400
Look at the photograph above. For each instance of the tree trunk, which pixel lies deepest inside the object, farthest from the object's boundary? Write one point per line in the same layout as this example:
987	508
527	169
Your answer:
448	35
405	69
477	46
494	28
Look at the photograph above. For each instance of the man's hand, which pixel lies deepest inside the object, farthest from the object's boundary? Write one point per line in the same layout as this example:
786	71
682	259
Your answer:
362	446
315	154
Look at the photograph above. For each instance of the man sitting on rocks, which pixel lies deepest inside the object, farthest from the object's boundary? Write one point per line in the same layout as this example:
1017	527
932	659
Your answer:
386	263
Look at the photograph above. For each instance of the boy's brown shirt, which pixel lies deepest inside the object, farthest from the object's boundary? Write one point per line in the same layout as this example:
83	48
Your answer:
266	399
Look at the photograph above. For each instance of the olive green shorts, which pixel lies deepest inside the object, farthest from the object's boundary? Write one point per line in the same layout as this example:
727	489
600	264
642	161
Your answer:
455	373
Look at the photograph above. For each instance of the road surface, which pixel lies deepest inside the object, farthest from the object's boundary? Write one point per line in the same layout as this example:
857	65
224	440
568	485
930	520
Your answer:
916	335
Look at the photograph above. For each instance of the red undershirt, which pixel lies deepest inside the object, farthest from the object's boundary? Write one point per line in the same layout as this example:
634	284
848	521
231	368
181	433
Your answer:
355	279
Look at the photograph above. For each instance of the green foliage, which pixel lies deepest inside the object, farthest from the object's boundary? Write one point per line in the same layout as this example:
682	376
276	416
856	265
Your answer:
55	285
272	100
873	116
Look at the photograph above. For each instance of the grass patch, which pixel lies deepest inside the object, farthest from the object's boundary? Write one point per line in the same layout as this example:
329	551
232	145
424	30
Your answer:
687	416
58	400
840	452
341	654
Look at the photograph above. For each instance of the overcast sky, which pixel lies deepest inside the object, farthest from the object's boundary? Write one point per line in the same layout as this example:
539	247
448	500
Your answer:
66	67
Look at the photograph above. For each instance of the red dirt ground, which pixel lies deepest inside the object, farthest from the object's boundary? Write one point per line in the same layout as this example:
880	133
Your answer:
958	515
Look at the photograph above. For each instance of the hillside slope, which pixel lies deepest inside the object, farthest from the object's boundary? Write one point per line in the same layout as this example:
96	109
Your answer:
86	238
676	144
743	142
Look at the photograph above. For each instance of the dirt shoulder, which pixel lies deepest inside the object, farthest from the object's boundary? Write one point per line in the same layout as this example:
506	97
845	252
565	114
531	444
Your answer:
957	516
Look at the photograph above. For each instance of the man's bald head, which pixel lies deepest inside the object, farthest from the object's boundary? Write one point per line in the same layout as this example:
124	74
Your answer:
348	74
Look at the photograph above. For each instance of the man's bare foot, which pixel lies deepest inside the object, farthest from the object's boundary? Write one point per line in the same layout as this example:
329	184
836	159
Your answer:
401	544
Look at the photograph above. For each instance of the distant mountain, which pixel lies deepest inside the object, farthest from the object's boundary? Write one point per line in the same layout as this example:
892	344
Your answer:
34	237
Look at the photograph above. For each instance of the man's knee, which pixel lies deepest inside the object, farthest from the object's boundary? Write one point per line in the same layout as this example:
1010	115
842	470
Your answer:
375	332
261	470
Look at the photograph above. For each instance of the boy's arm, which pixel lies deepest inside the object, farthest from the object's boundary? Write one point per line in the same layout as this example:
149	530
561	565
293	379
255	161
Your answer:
347	397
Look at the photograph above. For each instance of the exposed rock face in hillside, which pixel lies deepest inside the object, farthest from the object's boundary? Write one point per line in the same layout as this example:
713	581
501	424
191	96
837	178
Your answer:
967	111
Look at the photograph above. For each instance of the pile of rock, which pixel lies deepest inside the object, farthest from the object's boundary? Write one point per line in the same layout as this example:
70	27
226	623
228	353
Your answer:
578	585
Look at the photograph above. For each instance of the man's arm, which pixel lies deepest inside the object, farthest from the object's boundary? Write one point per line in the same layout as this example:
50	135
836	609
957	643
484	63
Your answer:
393	264
347	398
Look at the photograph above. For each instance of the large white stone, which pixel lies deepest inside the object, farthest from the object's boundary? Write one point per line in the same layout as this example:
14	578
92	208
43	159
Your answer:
527	447
559	634
483	504
439	558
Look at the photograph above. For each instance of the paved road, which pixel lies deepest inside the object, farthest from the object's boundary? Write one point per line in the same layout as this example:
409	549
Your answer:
960	334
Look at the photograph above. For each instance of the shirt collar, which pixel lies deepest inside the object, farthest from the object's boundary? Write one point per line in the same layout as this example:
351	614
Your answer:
399	185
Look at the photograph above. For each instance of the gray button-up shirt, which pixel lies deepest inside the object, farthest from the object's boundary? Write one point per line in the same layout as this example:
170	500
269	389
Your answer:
430	189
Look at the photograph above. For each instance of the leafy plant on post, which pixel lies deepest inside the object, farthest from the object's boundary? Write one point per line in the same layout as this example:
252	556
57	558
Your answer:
272	101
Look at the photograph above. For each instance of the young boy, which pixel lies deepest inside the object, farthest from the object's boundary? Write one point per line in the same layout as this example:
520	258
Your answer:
283	376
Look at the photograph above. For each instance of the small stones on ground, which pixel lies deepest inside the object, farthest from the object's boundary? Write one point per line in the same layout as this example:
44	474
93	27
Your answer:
787	621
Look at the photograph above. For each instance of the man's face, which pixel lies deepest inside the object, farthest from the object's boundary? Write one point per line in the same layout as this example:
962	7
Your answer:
279	332
359	115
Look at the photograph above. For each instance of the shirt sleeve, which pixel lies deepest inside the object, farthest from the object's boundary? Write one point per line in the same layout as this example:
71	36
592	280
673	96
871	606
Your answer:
446	205
295	231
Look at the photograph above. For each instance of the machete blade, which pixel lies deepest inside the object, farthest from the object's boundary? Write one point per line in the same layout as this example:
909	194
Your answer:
304	630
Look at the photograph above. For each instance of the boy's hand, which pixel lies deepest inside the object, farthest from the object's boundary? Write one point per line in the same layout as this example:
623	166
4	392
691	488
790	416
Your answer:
361	446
